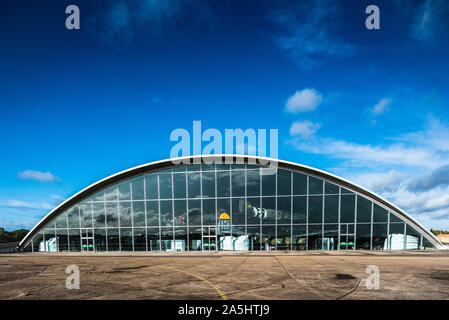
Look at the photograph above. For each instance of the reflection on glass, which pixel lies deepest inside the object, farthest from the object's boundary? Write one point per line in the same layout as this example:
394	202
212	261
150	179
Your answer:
125	214
138	188
152	213
238	211
99	216
138	213
315	209
268	210
363	209
179	185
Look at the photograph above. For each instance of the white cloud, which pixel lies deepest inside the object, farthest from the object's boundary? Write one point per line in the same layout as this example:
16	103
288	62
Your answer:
27	204
409	170
381	107
302	101
304	129
38	176
368	155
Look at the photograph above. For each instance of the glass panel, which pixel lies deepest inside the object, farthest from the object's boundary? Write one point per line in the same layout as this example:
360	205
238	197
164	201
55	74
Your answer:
283	237
253	183
125	214
299	183
223	182
139	239
330	209
152	213
113	240
347	208
380	214
331	188
194	167
100	239
138	190
126	239
363	236
73	217
427	244
396	237
165	186
166	213
179	185
194	185
151	186
254	238
413	239
299	240
195	212
268	238
98	214
38	242
167	239
380	236
253	212
208	212
330	237
179	169
222	166
195	243
62	240
208	184
238	211
112	214
284	182
180	239
208	167
180	212
346	191
394	218
284	207
223	207
315	185
299	209
153	239
315	209
363	209
61	221
238	183
268	184
138	214
98	196
86	214
315	236
268	210
111	194
74	240
124	190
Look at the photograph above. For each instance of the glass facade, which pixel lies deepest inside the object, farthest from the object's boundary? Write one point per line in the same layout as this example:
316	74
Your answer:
226	207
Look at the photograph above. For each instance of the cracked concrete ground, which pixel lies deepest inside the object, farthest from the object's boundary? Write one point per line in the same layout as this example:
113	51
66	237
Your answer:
329	276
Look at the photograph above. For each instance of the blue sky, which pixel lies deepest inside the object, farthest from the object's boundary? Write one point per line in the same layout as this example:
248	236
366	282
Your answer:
368	105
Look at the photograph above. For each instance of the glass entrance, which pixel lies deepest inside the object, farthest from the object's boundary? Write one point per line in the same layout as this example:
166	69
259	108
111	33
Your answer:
87	240
347	236
209	238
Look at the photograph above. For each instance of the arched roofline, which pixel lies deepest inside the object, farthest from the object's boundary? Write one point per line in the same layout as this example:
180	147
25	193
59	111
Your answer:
227	159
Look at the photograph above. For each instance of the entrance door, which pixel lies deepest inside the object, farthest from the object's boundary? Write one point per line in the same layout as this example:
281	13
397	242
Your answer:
209	238
347	236
87	240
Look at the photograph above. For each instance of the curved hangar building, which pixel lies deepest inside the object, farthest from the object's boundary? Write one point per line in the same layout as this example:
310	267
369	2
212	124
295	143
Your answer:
239	206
